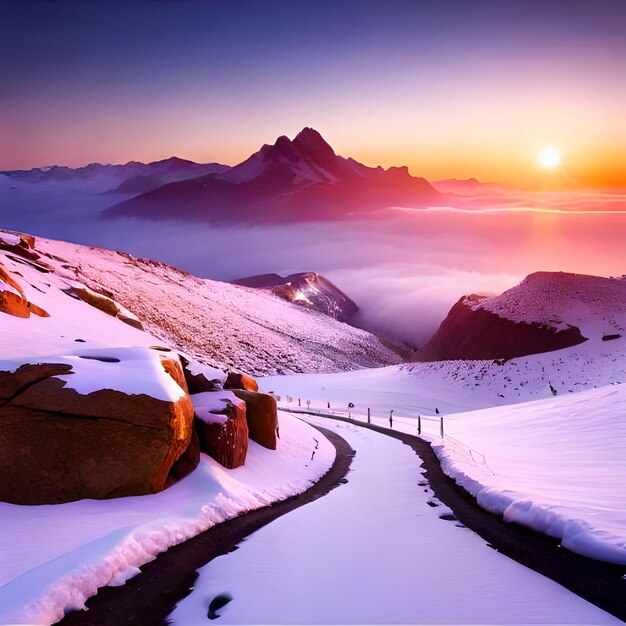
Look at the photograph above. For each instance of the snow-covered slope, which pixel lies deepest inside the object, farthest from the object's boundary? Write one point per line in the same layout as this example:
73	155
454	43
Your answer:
594	304
547	311
55	556
453	386
556	465
230	326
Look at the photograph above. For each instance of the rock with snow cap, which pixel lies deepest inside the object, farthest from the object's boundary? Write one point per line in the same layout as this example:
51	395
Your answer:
222	427
61	441
240	381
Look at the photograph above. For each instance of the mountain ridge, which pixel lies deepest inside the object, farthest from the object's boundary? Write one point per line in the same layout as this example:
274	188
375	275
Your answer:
291	180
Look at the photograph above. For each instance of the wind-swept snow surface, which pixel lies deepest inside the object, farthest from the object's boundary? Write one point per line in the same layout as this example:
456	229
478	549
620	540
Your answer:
55	557
375	551
556	465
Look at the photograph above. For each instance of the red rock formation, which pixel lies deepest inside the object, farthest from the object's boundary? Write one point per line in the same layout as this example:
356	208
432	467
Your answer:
475	333
224	435
57	445
14	303
198	383
240	381
262	417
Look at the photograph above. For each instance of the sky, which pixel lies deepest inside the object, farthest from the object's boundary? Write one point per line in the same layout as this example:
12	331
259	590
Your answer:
449	88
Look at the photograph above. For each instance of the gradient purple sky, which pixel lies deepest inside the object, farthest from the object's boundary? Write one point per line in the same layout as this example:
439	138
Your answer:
449	88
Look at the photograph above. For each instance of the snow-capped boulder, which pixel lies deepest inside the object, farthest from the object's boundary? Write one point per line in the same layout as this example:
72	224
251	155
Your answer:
18	243
200	377
221	426
262	417
240	381
65	436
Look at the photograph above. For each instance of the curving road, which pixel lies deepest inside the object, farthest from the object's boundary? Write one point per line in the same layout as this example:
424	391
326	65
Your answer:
382	549
148	598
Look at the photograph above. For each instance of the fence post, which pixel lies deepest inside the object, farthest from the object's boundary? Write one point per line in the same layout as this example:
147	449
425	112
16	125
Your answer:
369	415
308	404
391	418
441	427
419	424
299	403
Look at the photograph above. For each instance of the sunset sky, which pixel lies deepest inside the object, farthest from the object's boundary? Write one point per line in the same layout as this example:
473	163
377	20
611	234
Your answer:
451	89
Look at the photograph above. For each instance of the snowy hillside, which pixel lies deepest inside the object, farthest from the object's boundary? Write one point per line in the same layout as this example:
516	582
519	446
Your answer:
229	326
594	304
547	311
555	465
453	386
92	409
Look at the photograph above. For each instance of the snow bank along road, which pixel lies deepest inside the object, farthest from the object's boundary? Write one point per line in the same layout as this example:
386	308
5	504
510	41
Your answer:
149	597
382	549
603	584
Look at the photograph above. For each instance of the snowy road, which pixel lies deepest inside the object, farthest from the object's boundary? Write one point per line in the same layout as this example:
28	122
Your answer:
377	551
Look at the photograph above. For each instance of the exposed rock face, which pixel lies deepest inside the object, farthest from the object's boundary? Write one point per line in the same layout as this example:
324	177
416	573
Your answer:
475	333
240	381
262	417
223	434
57	445
104	304
201	378
307	289
187	462
12	298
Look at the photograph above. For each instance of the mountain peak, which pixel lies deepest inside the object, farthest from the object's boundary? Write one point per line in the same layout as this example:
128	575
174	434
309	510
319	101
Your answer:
309	139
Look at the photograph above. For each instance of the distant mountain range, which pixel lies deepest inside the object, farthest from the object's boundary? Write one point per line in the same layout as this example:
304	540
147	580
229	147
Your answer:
292	180
130	178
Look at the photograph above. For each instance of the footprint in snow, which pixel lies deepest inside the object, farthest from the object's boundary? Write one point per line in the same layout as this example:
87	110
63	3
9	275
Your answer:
218	602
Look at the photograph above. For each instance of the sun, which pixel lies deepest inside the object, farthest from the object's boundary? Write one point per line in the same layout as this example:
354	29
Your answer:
549	157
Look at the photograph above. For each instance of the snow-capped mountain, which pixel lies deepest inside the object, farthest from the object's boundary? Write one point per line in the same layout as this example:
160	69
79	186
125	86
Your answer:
292	180
307	289
131	177
547	311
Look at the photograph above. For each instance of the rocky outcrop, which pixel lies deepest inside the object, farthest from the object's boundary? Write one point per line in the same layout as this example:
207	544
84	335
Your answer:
262	417
222	430
58	445
105	304
472	332
12	298
201	378
240	381
307	289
